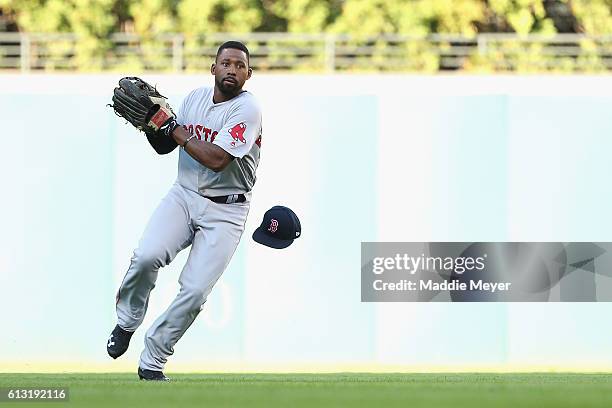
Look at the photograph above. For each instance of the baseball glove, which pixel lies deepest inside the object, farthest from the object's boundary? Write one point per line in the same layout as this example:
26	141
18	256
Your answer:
145	108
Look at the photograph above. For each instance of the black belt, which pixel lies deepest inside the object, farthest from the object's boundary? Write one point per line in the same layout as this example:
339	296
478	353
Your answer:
228	199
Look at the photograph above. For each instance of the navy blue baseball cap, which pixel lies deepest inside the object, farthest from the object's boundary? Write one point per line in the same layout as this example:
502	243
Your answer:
279	228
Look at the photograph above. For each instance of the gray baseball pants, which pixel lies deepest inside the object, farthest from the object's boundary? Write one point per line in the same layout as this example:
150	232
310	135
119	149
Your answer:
183	218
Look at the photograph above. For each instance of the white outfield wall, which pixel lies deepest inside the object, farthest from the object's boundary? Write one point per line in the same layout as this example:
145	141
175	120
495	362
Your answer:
359	158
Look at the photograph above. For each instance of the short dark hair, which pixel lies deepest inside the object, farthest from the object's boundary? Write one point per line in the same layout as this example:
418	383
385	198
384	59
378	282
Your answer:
236	45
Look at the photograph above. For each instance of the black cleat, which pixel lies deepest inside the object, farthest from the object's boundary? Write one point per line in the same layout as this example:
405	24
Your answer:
150	375
118	342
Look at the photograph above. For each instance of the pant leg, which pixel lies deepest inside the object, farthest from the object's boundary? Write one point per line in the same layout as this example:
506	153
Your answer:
217	236
168	232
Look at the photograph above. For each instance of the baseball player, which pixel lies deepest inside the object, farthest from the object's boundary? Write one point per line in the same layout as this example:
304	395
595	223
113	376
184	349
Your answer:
218	130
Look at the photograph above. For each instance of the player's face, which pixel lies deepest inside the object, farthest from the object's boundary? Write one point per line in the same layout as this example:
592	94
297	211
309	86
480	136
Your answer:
231	70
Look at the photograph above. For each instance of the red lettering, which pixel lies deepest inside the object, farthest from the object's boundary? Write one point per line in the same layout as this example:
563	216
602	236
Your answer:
198	130
258	141
206	133
201	132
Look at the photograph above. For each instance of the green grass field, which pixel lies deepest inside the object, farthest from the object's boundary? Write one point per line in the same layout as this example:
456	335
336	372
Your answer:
324	390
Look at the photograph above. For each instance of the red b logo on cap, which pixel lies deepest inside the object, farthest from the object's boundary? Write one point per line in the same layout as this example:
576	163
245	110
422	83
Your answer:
273	226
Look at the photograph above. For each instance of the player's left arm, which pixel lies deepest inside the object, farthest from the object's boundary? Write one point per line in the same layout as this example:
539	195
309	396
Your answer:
236	139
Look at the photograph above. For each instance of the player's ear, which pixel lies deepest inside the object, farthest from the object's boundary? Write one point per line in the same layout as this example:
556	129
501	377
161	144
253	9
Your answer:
212	68
250	72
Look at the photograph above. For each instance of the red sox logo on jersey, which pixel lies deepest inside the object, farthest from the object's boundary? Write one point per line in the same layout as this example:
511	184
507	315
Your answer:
237	133
273	226
207	134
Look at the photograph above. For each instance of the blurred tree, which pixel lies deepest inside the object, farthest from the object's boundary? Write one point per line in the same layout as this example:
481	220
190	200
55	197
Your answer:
415	17
85	17
95	20
198	17
594	16
524	16
304	16
151	17
562	16
367	17
218	16
439	16
89	19
301	17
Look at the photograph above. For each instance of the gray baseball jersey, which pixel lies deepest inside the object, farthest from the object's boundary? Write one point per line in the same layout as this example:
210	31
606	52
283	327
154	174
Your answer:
184	217
235	126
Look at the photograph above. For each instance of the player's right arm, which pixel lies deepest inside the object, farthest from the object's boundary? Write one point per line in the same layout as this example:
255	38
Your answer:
162	144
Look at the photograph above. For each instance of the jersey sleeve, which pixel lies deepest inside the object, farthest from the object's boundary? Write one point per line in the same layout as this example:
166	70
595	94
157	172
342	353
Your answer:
241	129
